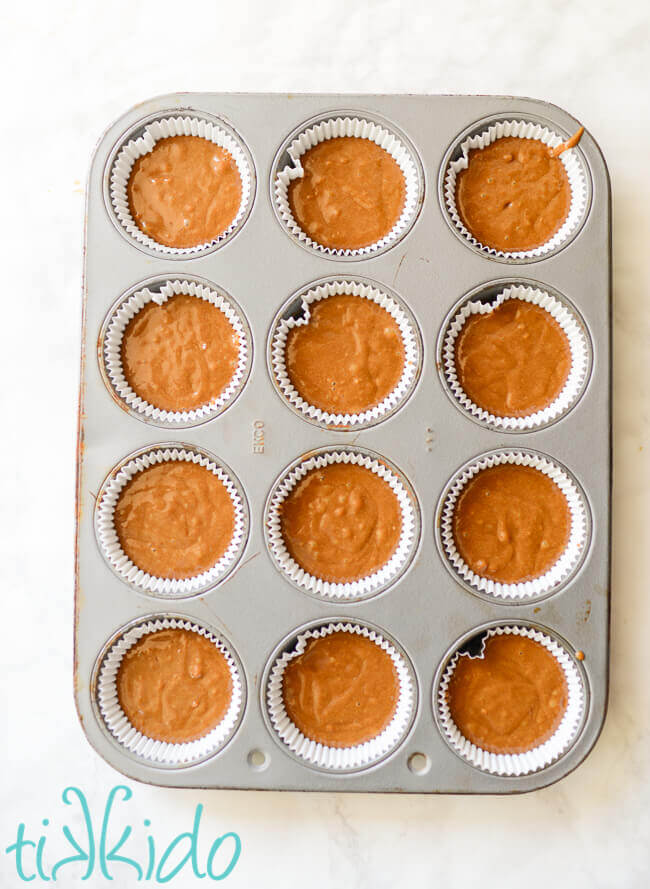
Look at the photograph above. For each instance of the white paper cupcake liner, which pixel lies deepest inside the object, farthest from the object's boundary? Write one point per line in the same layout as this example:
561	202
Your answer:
112	352
136	148
110	544
515	764
341	758
523	130
164	752
557	573
394	398
355	589
578	345
361	129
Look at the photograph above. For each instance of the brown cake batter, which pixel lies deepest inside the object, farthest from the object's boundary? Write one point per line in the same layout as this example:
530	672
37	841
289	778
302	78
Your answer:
181	354
513	361
341	523
342	691
174	519
184	192
513	195
570	143
511	523
351	194
511	700
349	356
174	685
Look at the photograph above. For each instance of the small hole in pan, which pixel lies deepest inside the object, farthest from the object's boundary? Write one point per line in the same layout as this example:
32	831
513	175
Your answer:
258	760
419	763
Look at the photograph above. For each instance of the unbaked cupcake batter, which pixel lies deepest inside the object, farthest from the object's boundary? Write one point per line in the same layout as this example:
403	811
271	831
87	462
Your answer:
342	691
351	194
569	143
349	356
174	685
185	191
511	523
341	522
511	700
179	355
513	195
174	519
513	361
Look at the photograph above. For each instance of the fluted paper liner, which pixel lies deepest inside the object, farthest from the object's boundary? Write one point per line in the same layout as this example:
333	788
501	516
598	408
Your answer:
164	752
515	764
354	589
361	129
110	544
573	331
112	352
523	130
341	758
136	148
409	339
567	562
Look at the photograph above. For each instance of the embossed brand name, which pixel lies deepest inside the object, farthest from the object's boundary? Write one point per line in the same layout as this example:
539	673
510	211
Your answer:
258	436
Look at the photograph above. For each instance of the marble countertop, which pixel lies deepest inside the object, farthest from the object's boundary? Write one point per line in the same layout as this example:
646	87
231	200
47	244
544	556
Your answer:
71	69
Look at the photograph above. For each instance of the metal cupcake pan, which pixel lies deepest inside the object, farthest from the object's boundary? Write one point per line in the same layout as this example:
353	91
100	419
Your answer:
426	610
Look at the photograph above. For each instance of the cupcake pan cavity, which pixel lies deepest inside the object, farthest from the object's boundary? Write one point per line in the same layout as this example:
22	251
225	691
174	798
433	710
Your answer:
560	573
486	299
297	312
528	127
159	291
287	167
140	140
383	578
321	756
108	540
538	758
430	271
115	721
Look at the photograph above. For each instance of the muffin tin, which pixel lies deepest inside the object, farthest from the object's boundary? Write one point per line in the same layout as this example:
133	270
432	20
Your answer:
425	610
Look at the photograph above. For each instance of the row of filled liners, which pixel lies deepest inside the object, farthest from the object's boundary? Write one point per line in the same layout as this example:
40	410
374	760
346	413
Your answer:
344	353
340	696
342	523
345	187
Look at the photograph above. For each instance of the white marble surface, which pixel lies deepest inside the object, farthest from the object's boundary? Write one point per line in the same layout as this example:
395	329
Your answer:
71	67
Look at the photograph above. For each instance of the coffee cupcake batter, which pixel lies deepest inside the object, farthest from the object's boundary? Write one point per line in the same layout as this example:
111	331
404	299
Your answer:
174	685
511	523
341	522
511	700
342	690
513	361
349	356
513	195
351	194
179	355
174	519
184	192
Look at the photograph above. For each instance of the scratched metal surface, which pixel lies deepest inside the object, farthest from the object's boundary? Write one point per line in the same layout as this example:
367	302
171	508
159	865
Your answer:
426	611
